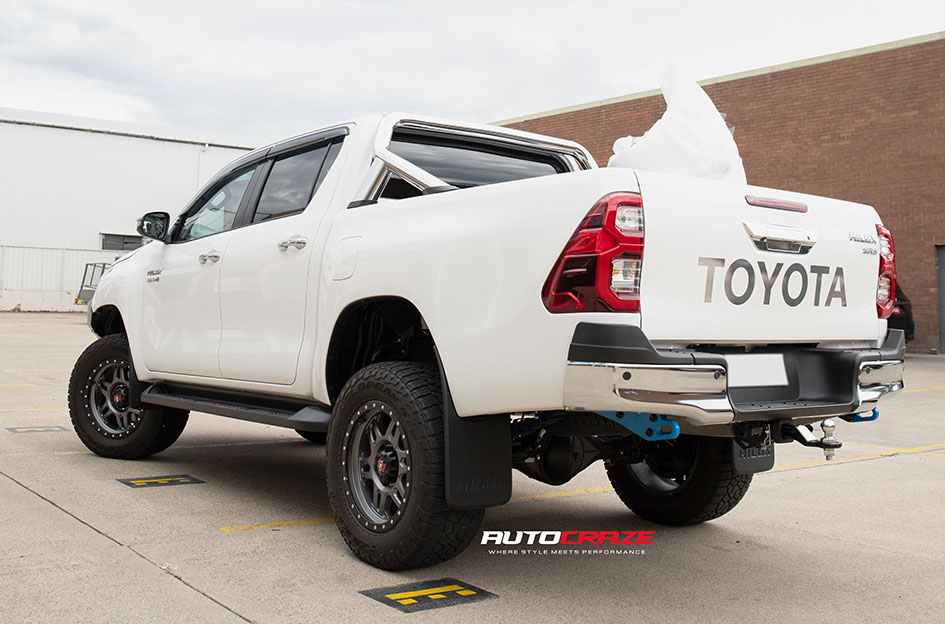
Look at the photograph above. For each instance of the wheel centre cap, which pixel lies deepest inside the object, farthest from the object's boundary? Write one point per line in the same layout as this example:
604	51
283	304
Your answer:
386	465
119	396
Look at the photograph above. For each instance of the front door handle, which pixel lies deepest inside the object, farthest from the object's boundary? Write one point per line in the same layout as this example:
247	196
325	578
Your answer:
296	241
212	256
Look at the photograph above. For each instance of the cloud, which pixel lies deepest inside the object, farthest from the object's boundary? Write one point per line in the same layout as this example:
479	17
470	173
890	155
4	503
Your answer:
277	68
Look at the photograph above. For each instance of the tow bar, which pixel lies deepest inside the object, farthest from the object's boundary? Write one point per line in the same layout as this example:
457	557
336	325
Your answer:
805	435
829	443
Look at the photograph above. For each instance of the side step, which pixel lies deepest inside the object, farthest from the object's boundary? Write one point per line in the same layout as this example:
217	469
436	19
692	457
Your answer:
265	410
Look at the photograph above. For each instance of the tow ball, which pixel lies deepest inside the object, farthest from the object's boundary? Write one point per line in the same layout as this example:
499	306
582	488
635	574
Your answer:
805	435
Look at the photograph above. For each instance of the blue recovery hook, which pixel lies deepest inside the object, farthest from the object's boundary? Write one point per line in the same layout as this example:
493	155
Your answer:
863	416
650	427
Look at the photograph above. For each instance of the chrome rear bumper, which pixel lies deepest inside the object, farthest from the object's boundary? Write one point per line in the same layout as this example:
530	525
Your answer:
877	379
700	393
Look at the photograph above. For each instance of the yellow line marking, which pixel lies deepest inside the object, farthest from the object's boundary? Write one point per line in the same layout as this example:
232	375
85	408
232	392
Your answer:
919	449
47	429
924	389
843	460
437	596
824	462
272	525
465	592
425	592
73	453
161	481
879	446
408	601
593	490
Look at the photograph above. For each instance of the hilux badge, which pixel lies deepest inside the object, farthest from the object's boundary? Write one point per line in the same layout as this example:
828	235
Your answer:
860	237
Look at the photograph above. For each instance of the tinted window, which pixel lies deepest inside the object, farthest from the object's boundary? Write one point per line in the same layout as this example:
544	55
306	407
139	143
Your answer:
217	213
465	165
293	181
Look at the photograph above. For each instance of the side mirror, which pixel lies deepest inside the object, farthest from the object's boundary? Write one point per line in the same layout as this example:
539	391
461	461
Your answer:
154	225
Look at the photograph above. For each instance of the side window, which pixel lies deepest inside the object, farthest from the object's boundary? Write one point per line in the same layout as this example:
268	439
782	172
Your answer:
293	180
218	212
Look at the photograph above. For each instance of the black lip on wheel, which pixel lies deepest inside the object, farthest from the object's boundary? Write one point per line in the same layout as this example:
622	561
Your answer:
376	466
105	397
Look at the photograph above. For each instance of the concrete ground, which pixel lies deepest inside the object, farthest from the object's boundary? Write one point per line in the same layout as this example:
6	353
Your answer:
858	539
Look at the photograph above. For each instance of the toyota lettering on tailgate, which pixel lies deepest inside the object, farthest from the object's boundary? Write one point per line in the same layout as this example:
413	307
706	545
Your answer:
777	281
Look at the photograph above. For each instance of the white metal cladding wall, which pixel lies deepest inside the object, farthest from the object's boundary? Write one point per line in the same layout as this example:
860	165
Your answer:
63	187
44	279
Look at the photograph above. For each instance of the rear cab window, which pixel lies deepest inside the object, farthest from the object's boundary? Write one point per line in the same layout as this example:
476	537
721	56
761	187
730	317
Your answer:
465	162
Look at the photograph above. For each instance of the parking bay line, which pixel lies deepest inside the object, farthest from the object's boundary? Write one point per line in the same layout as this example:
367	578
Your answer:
879	446
923	389
274	525
852	458
271	525
606	488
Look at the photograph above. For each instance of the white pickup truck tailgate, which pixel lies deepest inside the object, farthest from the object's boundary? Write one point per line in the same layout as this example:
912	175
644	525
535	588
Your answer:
713	273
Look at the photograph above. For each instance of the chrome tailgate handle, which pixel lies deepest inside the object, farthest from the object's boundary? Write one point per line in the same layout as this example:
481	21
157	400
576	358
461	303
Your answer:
296	241
212	256
781	239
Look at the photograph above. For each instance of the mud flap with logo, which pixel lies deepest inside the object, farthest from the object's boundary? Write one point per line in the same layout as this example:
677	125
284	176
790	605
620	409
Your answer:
753	449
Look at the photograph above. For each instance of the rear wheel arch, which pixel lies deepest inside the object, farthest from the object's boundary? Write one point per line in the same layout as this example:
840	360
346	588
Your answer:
377	329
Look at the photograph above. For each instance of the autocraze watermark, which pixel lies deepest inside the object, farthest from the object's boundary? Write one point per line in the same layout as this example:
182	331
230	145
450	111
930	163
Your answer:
560	542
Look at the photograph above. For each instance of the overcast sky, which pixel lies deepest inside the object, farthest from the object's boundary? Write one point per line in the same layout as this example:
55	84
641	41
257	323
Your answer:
274	68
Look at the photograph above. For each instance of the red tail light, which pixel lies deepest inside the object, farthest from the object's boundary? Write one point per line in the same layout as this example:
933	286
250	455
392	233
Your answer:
886	283
599	269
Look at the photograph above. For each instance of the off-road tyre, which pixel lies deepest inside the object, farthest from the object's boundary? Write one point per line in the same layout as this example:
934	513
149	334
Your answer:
685	481
423	530
131	436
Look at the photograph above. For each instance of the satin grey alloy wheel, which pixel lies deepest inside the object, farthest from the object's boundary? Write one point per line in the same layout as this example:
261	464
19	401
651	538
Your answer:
100	405
107	393
377	466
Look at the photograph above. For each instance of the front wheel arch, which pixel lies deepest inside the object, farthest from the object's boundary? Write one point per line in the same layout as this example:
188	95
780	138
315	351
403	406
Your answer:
107	320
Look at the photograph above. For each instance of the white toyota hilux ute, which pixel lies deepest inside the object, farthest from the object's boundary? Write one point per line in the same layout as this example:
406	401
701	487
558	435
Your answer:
443	302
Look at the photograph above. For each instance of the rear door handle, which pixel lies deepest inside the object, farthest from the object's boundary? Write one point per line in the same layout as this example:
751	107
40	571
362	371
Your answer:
212	256
296	241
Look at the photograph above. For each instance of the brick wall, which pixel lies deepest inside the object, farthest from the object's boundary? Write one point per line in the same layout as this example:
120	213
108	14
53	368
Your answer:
869	128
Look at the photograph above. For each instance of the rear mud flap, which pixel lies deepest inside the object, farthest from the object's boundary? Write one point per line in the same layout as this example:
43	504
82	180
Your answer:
478	456
752	456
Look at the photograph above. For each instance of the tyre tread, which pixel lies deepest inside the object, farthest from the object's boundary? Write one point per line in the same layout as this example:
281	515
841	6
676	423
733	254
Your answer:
725	490
161	426
440	533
